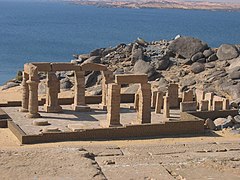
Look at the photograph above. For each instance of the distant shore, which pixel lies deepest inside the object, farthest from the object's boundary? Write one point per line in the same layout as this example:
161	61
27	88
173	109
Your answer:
162	4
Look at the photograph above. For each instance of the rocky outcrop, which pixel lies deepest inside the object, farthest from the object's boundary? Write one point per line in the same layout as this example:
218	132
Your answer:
187	46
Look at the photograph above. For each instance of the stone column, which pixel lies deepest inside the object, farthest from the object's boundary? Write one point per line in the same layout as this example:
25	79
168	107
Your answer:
204	105
79	92
25	93
159	102
113	105
166	112
226	104
107	77
173	95
53	88
136	101
144	108
209	97
33	99
153	99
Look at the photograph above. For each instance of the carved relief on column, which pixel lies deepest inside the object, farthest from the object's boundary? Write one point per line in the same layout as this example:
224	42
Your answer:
79	92
53	88
33	93
25	93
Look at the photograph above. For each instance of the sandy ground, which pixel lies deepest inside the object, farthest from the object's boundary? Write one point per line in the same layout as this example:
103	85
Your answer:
213	156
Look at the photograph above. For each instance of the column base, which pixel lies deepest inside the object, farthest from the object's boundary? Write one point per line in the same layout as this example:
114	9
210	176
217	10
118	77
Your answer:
37	115
81	108
51	109
23	110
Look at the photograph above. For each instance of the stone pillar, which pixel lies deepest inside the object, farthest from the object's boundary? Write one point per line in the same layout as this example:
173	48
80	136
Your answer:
33	99
79	92
204	105
209	97
113	105
173	96
200	95
217	105
107	77
25	93
226	104
136	101
159	102
153	99
187	96
53	88
144	108
166	111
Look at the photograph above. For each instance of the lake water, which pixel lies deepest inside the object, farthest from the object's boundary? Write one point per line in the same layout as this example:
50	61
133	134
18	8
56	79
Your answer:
53	31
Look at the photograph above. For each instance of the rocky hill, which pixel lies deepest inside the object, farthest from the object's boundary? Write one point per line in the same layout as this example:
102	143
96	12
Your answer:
187	61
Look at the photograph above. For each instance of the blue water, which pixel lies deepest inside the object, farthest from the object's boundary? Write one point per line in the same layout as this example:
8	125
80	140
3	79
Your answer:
53	31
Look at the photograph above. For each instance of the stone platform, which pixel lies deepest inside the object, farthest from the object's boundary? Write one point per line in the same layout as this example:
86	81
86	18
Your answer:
70	125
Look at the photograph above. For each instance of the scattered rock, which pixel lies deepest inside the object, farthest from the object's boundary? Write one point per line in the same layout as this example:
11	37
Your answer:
93	59
197	56
137	54
235	75
142	67
221	123
210	124
197	67
227	52
65	84
207	53
211	58
10	85
91	79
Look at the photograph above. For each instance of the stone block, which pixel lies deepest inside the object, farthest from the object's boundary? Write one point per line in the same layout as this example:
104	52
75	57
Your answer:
40	122
131	78
65	67
204	105
187	96
43	66
188	106
173	96
81	108
93	67
217	105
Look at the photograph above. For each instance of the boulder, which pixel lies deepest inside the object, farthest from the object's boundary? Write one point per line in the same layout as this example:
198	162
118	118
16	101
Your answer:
93	59
234	63
210	124
234	75
141	42
236	119
210	65
91	79
161	64
65	84
187	46
202	60
197	56
142	67
188	82
227	52
97	52
197	67
207	53
211	58
221	123
137	54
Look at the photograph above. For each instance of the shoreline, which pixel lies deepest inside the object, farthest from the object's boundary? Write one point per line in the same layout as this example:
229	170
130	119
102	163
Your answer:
208	6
